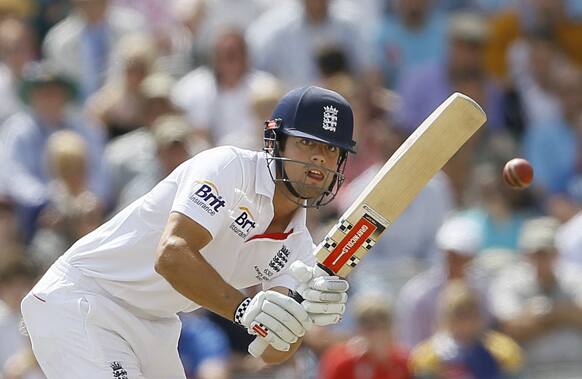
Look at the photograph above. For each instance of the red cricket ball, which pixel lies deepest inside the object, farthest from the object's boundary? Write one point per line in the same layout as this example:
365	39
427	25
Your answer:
518	173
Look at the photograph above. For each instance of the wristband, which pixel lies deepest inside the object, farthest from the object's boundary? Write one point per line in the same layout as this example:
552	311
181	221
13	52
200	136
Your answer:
240	311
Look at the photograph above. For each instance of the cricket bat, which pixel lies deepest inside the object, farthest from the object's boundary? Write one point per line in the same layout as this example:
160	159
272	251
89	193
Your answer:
392	190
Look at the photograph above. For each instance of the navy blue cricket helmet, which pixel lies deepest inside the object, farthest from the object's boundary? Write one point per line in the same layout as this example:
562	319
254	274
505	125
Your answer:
316	113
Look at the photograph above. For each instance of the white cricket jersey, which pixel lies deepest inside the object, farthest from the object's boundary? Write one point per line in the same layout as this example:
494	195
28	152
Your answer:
229	192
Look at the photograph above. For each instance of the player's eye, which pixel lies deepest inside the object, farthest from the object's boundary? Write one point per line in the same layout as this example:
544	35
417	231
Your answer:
332	149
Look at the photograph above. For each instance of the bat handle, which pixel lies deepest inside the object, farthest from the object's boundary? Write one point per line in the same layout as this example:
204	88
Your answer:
259	345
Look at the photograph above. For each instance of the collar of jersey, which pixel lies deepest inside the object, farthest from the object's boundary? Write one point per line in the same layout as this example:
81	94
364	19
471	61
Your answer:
264	185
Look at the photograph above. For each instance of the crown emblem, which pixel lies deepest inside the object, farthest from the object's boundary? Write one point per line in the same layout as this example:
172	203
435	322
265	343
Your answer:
330	118
118	371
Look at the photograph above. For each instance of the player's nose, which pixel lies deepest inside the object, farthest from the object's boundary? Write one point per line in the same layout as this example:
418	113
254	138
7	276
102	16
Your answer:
318	158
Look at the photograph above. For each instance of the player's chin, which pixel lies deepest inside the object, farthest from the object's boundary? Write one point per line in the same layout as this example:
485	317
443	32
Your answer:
310	191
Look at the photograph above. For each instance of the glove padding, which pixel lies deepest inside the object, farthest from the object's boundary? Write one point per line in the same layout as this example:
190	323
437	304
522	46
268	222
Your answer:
276	318
324	296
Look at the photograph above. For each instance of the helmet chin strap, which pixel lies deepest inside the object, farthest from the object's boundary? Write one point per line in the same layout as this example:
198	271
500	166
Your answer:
286	180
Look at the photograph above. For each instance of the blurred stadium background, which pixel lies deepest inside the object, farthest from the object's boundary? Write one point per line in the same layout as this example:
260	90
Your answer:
100	99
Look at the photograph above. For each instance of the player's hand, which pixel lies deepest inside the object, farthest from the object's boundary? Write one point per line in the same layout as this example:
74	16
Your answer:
325	296
276	318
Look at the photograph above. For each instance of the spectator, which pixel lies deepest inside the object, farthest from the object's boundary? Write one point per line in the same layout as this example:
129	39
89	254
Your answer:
569	240
117	106
463	347
222	14
178	49
574	188
17	276
288	49
501	211
81	45
373	11
331	63
414	35
9	234
217	100
25	135
459	240
72	210
134	153
174	144
188	41
157	15
372	353
48	14
21	9
508	26
533	60
16	50
552	147
462	70
425	89
538	304
397	257
203	348
263	101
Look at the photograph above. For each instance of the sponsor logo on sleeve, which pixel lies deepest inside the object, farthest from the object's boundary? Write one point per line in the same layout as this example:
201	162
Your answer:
206	196
243	223
275	265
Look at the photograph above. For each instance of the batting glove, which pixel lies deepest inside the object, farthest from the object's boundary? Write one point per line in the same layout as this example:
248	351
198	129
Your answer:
275	317
324	296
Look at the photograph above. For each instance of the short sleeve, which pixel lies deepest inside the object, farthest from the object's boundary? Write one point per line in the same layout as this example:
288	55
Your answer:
304	253
207	187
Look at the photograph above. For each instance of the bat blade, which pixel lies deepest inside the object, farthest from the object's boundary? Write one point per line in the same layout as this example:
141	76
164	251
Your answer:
399	181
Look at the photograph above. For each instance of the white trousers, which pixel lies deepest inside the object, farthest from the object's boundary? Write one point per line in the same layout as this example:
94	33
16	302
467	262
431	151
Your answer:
77	331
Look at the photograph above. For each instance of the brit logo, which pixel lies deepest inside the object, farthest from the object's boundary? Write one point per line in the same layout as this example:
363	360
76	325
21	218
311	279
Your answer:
206	196
330	118
244	223
118	371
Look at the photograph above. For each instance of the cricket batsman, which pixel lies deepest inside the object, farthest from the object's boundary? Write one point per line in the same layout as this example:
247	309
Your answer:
225	220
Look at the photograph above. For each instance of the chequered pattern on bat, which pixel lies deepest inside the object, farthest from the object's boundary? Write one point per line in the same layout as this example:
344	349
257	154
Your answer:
345	226
353	261
329	244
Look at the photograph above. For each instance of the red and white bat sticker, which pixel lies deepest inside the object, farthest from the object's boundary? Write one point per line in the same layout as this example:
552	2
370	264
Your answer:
350	243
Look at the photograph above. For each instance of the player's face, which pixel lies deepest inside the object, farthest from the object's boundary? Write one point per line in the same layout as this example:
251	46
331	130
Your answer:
318	163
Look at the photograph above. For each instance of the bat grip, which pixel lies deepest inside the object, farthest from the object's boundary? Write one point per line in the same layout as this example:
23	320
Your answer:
259	345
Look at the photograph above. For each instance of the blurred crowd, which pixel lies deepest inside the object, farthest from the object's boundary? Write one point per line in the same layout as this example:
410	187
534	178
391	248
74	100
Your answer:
100	99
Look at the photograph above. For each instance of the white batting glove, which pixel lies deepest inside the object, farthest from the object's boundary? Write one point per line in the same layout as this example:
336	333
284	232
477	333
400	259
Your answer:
325	296
275	317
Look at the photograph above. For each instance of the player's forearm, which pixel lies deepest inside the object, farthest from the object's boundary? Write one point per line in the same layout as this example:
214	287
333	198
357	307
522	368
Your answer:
189	273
